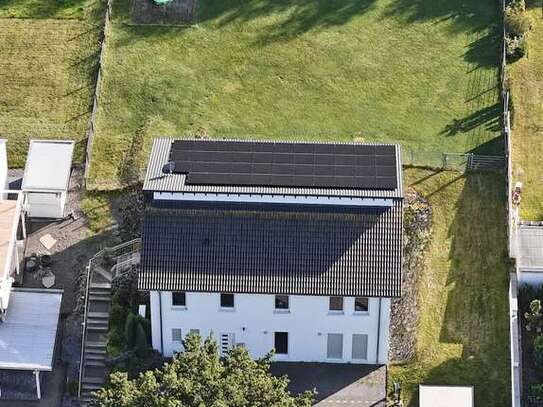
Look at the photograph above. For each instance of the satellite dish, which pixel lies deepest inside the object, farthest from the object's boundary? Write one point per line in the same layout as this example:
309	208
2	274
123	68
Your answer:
168	168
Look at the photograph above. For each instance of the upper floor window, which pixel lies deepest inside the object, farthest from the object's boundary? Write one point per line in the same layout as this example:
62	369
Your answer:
336	304
361	304
227	300
179	299
281	302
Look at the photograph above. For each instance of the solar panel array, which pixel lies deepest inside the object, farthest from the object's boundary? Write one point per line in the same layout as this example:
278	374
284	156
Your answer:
285	164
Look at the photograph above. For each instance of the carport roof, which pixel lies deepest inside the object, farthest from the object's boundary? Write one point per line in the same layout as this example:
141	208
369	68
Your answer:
48	165
446	396
27	336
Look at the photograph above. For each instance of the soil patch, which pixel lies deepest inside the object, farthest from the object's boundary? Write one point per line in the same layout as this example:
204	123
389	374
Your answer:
176	12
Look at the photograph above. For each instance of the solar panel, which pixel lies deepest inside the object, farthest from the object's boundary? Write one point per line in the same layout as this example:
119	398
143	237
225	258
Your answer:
285	164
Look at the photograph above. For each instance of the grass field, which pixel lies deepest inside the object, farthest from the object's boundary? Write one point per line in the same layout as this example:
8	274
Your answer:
527	89
47	72
462	293
421	72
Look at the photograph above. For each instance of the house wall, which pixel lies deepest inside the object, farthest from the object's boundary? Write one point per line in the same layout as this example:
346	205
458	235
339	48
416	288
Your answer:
46	204
254	321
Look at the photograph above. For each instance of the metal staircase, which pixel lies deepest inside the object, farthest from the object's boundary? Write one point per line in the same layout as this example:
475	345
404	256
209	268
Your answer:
101	270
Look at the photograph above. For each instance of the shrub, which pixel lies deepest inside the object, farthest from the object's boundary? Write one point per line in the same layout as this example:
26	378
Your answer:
536	391
73	387
516	47
538	351
517	22
141	340
130	330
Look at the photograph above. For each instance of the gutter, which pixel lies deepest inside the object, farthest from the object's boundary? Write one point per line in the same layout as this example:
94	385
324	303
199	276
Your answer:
378	334
161	332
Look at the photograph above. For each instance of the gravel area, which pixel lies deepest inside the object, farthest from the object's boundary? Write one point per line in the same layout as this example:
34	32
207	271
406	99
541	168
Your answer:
403	323
70	255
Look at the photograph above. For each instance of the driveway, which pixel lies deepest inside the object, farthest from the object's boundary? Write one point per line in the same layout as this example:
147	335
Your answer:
337	383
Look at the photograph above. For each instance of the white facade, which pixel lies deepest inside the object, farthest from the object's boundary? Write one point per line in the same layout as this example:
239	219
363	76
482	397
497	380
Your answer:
253	321
46	178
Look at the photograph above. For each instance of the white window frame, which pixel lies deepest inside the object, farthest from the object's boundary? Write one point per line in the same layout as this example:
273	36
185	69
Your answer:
336	312
342	346
355	312
282	355
180	335
179	307
281	310
227	309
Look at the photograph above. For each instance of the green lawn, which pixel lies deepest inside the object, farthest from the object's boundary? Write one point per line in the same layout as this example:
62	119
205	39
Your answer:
463	331
419	72
47	72
527	89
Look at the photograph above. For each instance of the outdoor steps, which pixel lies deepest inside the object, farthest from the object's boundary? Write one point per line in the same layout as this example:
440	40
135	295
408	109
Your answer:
99	297
103	273
98	315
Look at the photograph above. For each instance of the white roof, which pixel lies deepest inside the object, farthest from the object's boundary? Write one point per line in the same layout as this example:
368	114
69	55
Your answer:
27	337
446	396
48	165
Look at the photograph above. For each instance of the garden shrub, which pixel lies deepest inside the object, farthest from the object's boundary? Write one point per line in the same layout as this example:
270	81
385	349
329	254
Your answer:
517	22
141	340
536	391
538	351
130	330
516	48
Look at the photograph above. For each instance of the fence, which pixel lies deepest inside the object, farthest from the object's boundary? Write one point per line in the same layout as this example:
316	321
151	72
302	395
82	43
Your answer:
451	161
90	128
515	332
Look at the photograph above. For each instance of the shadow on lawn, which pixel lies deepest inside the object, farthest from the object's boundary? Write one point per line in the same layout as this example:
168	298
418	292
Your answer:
476	312
488	116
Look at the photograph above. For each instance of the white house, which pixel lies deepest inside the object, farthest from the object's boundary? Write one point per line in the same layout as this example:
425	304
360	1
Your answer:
295	247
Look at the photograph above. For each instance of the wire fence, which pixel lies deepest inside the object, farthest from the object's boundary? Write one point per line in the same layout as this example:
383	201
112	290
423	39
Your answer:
90	128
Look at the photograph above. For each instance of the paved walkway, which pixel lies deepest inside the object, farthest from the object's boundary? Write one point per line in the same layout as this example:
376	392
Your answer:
337	383
530	247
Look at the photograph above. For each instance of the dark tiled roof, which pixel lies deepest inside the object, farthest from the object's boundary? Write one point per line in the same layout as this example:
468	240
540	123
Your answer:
273	252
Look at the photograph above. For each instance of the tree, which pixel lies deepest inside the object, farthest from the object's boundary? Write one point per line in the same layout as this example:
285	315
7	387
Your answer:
198	377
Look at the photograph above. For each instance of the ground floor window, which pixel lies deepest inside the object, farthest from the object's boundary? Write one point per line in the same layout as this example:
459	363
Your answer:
360	346
334	347
281	343
176	335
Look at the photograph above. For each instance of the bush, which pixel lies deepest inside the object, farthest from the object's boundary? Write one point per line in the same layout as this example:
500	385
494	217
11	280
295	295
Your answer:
516	47
536	391
130	330
517	22
538	351
73	387
141	340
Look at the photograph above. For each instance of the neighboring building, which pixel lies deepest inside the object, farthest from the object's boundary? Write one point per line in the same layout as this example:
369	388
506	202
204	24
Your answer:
445	396
47	177
295	247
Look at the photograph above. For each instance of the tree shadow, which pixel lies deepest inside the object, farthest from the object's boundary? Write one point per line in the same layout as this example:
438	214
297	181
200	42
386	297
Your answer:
461	15
488	116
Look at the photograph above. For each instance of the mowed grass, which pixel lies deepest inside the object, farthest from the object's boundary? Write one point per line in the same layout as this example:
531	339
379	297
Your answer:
527	141
463	290
419	72
47	76
60	9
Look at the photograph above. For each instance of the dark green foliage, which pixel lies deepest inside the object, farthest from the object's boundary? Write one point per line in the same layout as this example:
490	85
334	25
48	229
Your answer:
517	25
536	391
199	377
130	329
141	340
73	386
538	351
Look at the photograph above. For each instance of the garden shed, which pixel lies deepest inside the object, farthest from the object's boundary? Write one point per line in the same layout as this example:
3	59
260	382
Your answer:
446	396
46	178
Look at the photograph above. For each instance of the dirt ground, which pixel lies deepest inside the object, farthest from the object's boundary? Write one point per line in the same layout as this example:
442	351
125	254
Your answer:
74	247
177	12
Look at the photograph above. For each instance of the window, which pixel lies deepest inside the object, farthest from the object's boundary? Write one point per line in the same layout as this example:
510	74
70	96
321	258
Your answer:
281	343
227	343
176	335
361	304
227	300
179	299
360	346
281	302
336	304
334	346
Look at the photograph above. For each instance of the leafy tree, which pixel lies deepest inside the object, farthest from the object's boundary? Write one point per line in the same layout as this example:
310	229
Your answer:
198	377
130	330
